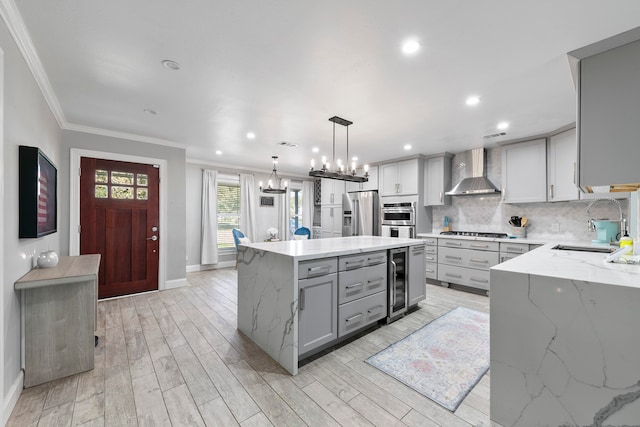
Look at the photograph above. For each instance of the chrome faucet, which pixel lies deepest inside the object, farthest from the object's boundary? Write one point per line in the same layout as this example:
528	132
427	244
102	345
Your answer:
591	225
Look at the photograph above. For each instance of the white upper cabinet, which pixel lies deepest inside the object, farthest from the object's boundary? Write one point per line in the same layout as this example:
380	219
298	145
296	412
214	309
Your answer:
524	172
370	185
562	172
437	180
331	192
400	178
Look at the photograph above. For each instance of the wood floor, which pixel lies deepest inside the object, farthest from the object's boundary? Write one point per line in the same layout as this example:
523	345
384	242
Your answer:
175	358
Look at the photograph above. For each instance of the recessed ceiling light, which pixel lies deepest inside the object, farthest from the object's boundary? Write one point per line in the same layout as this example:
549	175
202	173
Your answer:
472	100
407	147
218	152
410	46
172	65
354	159
150	111
315	149
251	135
503	125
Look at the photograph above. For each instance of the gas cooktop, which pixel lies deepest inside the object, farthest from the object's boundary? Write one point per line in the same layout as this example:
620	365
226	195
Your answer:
474	234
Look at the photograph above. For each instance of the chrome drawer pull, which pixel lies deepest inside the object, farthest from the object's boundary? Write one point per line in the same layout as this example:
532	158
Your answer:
318	271
375	309
479	246
377	282
301	297
453	243
430	271
430	258
473	279
349	319
376	260
457	276
356	264
512	249
355	285
453	257
479	261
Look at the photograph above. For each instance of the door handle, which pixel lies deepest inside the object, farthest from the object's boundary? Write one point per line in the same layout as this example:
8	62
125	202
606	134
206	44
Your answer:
154	238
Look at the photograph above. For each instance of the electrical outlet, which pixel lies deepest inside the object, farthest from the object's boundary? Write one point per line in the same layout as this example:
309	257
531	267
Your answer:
555	227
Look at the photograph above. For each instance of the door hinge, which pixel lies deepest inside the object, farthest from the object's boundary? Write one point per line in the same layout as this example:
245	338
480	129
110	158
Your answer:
79	229
156	166
79	171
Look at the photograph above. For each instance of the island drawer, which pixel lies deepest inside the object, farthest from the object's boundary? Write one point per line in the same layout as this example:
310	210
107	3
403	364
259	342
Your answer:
431	270
482	260
430	241
464	276
367	259
431	250
354	284
469	244
317	267
357	314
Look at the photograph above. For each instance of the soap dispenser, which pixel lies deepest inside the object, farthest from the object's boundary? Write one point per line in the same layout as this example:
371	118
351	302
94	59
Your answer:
626	241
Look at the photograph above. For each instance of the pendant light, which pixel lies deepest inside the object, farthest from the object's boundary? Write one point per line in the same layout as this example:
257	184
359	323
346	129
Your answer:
340	171
281	186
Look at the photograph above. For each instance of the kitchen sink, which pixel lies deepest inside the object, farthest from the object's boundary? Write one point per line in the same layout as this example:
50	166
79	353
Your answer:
583	249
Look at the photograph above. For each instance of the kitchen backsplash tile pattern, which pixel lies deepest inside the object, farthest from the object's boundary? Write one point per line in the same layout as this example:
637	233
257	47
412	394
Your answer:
486	213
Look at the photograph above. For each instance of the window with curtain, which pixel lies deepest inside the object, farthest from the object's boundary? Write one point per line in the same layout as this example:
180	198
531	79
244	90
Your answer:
228	214
295	209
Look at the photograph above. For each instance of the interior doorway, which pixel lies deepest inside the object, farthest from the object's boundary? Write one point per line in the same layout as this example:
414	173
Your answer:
119	219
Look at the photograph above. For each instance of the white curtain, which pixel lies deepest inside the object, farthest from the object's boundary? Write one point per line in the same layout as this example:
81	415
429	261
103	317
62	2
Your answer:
283	217
248	208
209	249
307	204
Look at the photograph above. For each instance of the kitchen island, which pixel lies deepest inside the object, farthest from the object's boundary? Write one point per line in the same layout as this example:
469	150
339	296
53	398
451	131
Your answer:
271	276
565	342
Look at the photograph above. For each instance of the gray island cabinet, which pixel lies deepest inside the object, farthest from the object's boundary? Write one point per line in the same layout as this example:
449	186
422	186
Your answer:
298	297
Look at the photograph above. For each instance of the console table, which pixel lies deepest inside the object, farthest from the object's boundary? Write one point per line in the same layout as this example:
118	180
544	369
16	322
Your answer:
60	318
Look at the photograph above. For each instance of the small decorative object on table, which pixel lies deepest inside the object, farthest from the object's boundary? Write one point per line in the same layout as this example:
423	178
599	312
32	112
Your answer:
47	259
273	233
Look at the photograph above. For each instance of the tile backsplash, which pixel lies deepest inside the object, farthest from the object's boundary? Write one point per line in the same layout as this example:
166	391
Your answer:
486	213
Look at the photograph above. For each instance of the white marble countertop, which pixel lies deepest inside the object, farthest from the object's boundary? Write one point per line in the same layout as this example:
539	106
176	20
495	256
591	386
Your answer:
334	246
573	265
487	239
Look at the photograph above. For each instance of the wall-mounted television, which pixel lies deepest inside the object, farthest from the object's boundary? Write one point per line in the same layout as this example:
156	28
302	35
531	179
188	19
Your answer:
38	180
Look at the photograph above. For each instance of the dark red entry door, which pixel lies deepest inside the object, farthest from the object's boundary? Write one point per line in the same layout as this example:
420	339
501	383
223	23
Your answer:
119	212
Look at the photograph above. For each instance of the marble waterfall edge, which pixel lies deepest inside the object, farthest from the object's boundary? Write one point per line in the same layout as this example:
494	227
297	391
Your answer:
563	352
268	304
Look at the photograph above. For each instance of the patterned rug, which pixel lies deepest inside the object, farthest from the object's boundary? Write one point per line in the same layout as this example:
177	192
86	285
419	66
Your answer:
444	359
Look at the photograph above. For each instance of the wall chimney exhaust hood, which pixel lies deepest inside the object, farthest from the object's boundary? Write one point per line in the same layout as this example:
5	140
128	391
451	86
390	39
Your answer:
475	181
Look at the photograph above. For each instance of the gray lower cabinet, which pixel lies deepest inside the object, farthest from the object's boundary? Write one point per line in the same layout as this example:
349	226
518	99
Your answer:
466	262
317	306
417	284
431	258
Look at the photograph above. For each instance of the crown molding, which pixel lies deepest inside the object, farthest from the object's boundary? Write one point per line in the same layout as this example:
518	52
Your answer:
11	15
123	135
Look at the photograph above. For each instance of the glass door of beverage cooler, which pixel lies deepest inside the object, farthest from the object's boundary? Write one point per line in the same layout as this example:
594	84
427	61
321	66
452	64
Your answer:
397	282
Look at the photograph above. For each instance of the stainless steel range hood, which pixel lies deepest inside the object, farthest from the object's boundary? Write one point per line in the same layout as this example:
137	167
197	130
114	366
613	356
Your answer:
475	181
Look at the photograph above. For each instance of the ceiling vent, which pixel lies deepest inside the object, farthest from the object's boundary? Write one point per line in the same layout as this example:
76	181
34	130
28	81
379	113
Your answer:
495	135
287	144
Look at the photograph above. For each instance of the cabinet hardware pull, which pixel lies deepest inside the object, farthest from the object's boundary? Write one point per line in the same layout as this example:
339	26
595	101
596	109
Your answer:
376	308
349	319
513	249
430	258
376	260
479	261
355	285
430	271
574	172
551	191
377	281
441	197
453	243
453	257
318	271
473	279
301	297
355	263
475	245
457	276
430	242
393	288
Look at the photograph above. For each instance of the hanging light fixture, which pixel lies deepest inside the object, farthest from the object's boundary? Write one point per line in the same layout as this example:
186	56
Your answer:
281	186
340	171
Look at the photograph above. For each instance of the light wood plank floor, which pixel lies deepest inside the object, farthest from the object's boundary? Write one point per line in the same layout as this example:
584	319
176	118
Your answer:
175	358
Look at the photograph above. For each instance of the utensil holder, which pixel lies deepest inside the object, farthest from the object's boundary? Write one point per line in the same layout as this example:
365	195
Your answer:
519	231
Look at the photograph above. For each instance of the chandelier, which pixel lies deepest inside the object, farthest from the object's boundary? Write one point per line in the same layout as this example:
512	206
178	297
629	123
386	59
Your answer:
281	185
340	171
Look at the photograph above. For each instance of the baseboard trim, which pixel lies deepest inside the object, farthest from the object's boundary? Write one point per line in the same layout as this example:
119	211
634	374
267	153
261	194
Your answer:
204	267
177	283
12	398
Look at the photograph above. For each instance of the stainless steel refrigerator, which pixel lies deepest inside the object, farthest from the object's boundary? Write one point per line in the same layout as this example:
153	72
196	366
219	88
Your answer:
361	213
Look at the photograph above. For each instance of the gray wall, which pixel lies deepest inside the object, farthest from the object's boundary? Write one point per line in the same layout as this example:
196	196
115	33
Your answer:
176	216
266	216
27	121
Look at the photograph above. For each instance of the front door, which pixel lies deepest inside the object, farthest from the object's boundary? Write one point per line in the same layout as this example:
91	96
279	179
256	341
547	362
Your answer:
119	212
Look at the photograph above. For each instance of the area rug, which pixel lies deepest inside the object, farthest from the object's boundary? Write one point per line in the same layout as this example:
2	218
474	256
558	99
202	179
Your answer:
444	359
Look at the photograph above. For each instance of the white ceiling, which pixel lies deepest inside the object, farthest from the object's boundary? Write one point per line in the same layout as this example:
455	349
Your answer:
281	68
